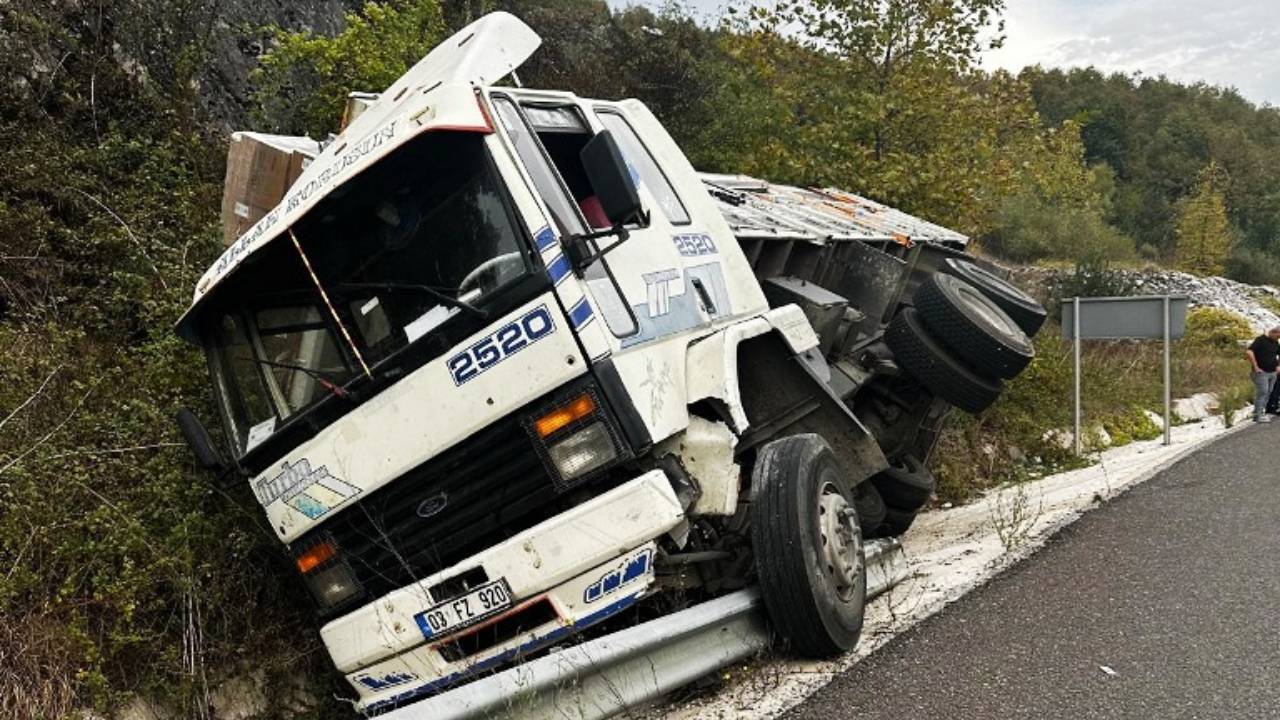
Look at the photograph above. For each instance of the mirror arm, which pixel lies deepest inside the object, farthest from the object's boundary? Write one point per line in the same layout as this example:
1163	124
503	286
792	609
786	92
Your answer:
583	249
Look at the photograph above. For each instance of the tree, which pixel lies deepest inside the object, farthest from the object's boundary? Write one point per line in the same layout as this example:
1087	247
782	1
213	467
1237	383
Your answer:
889	42
303	82
1203	230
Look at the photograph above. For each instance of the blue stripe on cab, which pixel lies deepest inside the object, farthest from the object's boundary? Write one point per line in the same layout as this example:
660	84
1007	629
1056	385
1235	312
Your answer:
580	314
558	269
545	238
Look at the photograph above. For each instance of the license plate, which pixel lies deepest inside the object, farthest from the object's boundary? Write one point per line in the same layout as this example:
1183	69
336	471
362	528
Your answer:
469	609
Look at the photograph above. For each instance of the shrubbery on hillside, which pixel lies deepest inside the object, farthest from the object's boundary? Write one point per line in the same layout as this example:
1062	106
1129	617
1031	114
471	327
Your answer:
1120	380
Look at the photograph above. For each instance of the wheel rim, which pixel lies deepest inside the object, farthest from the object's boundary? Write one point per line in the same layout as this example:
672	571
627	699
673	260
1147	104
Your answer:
993	316
840	557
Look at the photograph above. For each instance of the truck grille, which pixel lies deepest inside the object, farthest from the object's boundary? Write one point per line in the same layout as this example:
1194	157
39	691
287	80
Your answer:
481	492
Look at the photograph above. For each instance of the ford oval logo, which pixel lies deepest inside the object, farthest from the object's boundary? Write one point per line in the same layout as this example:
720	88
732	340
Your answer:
432	505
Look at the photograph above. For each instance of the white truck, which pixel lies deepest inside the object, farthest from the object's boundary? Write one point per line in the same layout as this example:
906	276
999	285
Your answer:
498	370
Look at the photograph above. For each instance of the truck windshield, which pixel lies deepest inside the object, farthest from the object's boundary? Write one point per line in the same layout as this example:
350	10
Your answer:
401	251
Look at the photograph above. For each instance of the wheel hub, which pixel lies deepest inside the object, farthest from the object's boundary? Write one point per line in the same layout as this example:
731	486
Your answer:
840	556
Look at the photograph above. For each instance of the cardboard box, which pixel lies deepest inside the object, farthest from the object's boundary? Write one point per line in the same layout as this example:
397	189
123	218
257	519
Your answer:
260	170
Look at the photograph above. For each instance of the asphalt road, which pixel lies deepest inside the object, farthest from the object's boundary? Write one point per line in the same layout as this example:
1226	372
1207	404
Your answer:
1174	586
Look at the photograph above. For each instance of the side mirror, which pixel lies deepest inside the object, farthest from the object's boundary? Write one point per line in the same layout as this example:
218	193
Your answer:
611	179
199	441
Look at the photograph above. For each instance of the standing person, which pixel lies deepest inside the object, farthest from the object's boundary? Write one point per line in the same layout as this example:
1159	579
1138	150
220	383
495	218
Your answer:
1264	356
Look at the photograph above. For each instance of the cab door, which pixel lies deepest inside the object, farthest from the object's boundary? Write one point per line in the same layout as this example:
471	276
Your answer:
643	287
677	285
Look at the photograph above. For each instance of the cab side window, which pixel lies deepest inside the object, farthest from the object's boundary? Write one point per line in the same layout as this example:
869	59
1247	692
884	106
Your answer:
563	212
643	164
550	151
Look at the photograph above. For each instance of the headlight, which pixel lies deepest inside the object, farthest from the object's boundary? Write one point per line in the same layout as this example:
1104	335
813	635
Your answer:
576	438
333	586
329	578
583	451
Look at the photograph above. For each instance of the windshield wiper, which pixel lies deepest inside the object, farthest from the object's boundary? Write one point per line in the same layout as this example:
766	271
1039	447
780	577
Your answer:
435	294
316	375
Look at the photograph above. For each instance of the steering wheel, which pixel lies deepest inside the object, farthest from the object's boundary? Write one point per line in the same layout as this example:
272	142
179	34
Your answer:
492	267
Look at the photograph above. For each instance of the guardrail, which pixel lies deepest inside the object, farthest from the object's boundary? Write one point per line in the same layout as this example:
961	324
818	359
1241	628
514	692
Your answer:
602	677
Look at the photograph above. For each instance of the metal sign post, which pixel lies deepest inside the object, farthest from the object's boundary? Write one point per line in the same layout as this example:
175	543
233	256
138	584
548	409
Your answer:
1168	415
1075	369
1119	318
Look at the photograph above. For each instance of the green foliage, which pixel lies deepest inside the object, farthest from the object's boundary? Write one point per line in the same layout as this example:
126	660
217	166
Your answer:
1129	426
1029	229
918	128
124	571
1203	231
1157	136
1012	441
1238	395
1217	329
1268	301
1253	266
1091	277
302	83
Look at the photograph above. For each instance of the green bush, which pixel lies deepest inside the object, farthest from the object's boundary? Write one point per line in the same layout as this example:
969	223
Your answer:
1216	328
1090	278
1238	395
1127	427
1253	265
1029	229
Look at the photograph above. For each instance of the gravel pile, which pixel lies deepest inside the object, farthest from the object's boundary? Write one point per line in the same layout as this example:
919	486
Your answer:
1244	300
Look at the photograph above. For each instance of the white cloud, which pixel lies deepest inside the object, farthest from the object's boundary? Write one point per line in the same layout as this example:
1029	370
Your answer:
1234	43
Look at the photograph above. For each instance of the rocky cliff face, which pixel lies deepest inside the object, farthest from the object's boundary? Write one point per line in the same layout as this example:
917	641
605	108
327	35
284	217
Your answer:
238	38
57	55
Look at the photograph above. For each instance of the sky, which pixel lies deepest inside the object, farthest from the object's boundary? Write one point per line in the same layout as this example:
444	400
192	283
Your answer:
1234	43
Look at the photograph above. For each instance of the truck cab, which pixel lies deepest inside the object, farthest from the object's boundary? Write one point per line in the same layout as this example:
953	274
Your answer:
497	369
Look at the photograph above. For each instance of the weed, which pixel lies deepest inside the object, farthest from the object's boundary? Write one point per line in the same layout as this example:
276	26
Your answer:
1013	515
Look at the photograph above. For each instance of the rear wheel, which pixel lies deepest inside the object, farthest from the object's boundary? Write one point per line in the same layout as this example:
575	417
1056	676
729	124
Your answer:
907	485
973	326
808	547
1021	307
929	362
896	522
870	506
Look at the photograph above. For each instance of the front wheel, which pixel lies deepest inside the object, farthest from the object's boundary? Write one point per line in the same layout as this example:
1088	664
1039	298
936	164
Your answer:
808	547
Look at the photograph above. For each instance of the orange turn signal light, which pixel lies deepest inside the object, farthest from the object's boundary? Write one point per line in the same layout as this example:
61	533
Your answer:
578	408
315	557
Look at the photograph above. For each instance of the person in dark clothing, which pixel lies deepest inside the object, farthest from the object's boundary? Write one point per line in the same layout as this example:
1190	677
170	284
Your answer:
1264	357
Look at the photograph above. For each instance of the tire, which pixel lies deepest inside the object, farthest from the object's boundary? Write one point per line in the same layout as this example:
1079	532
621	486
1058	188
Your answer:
973	326
925	359
870	505
896	522
907	485
1021	307
808	547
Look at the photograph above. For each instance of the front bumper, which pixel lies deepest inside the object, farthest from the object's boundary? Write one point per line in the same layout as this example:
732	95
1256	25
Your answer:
575	569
